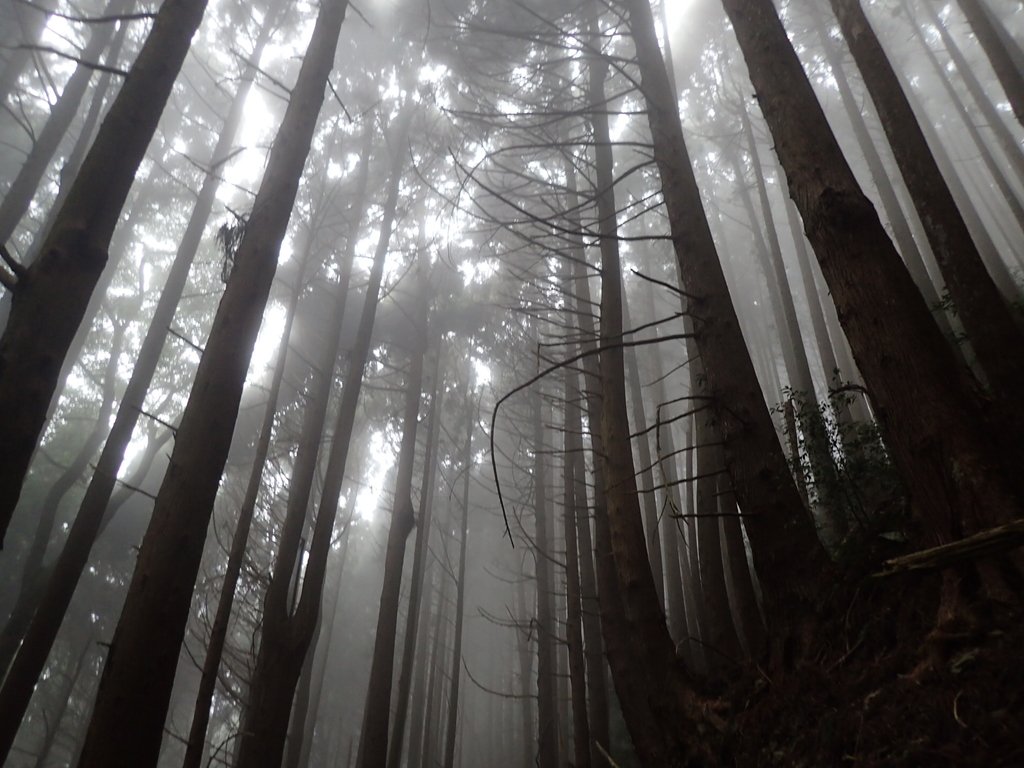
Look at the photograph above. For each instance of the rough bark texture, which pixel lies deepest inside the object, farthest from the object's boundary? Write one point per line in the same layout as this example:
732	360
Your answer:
788	557
127	723
985	316
54	292
925	409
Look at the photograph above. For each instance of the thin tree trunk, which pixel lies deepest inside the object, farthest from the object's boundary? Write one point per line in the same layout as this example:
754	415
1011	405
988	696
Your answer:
649	499
573	613
23	188
999	55
523	636
460	595
791	564
432	711
94	510
127	724
54	292
287	637
303	756
373	744
547	696
34	573
423	527
196	746
425	640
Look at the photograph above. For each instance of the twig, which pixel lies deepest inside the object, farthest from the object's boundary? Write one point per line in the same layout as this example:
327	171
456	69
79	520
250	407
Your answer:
76	59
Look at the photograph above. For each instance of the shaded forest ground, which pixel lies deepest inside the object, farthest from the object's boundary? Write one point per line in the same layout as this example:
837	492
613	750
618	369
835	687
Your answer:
884	687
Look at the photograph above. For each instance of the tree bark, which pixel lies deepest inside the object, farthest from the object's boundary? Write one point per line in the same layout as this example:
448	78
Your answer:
460	595
423	528
985	316
933	426
283	647
127	724
546	623
373	744
999	55
572	489
790	562
54	292
196	746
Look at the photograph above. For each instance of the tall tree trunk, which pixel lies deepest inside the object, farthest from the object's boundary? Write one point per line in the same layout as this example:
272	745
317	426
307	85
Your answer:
287	637
303	757
1011	149
999	55
196	746
899	223
93	510
573	613
790	562
460	595
933	428
671	701
424	642
23	188
649	498
423	528
34	573
127	724
54	292
985	316
373	744
547	696
524	632
432	715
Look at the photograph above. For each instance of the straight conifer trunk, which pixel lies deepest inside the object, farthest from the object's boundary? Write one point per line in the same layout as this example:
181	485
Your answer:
287	636
932	425
19	195
999	55
127	723
547	697
460	596
54	292
373	745
195	749
986	317
423	527
791	564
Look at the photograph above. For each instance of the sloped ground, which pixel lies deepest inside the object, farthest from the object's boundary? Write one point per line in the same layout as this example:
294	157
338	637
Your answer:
884	688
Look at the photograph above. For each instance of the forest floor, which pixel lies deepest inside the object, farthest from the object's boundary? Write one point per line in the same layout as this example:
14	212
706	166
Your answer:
885	688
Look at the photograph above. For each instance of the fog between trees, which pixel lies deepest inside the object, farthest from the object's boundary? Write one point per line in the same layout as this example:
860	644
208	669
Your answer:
509	383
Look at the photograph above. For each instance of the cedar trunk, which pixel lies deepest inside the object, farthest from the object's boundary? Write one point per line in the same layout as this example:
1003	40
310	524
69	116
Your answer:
932	425
54	292
127	723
